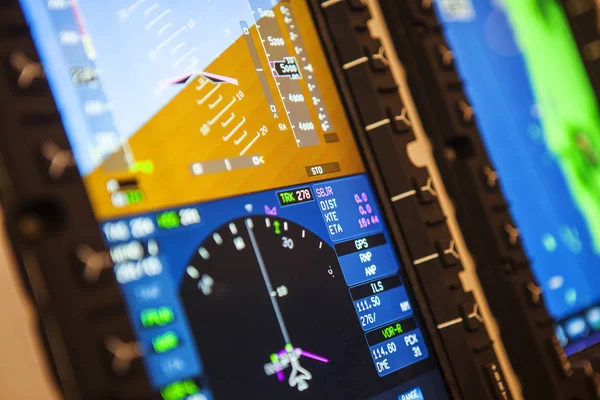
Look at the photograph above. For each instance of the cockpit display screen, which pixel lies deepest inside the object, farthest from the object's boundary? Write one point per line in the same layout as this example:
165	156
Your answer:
247	238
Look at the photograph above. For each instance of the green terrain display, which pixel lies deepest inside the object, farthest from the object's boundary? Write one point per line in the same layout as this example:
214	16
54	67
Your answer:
569	108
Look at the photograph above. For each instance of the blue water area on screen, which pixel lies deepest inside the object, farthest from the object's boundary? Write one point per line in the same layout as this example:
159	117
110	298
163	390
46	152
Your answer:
553	230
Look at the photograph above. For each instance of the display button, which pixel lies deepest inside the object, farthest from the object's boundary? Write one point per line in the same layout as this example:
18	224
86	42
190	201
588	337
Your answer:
593	318
323	169
57	163
357	245
561	336
122	356
445	56
471	315
27	74
400	122
511	235
448	252
534	294
560	357
425	191
490	178
414	394
295	196
390	331
180	390
577	328
465	112
174	366
157	317
145	293
93	267
166	342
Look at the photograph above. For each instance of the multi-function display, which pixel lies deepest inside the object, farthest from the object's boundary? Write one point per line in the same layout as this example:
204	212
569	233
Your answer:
248	241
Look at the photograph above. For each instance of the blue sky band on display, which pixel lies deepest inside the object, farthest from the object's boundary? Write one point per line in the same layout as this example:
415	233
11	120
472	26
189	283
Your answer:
50	213
451	121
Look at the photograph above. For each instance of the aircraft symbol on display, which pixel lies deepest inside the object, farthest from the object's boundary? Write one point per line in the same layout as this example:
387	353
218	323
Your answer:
290	358
183	79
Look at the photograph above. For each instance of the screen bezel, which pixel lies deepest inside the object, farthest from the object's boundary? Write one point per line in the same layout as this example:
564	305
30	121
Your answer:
526	330
26	192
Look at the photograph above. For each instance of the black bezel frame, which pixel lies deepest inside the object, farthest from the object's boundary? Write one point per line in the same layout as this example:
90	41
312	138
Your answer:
47	218
482	212
422	224
582	16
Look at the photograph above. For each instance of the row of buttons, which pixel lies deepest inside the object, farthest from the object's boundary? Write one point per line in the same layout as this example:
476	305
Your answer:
33	106
93	268
435	259
578	327
506	275
583	18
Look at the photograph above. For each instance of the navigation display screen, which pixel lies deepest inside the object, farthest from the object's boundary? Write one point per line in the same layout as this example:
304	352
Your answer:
545	153
247	238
